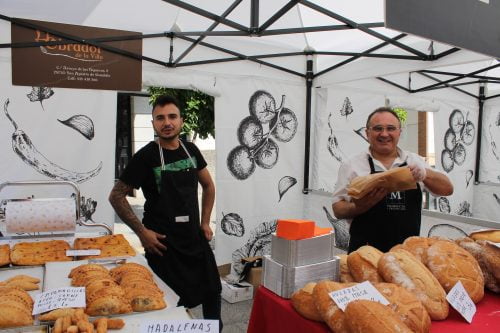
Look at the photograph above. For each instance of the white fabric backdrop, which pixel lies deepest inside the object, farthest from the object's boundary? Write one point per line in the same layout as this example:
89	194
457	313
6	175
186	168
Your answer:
255	199
461	173
60	144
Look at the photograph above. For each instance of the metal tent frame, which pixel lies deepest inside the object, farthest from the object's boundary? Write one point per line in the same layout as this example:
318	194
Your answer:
257	29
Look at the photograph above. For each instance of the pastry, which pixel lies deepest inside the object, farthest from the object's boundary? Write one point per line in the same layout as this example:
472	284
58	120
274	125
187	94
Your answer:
4	255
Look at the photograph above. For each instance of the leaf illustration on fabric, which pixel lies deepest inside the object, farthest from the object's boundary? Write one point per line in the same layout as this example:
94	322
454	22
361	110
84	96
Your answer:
80	123
493	144
346	109
446	230
464	209
468	177
332	144
444	205
361	132
496	198
285	184
341	228
258	244
497	122
38	94
232	224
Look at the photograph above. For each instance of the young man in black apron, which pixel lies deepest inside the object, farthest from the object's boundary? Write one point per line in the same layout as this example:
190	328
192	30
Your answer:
382	219
176	243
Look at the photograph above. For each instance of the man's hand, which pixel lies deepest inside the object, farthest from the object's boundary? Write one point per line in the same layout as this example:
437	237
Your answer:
350	209
368	201
207	231
418	171
150	240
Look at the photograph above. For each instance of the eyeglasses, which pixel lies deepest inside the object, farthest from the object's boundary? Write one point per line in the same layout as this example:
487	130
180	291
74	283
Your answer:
380	129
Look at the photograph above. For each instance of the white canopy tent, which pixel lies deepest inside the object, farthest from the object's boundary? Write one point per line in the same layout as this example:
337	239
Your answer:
316	53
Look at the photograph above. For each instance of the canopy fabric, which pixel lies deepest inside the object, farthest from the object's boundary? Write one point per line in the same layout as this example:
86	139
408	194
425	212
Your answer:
264	38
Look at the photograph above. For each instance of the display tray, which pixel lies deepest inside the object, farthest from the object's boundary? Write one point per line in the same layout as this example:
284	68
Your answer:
33	271
56	276
26	329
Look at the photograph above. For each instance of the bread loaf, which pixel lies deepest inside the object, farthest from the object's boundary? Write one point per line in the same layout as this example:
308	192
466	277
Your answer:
332	315
418	246
345	274
397	179
303	302
450	263
492	258
364	316
402	268
4	254
406	305
38	253
363	263
480	254
492	235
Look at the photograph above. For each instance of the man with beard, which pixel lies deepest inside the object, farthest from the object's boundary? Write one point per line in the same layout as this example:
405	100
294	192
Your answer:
383	219
175	242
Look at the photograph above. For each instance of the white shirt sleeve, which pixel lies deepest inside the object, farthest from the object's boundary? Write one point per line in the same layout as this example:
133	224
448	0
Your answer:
343	180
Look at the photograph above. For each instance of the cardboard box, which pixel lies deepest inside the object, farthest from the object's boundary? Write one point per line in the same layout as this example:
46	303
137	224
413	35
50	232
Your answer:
254	274
224	269
236	293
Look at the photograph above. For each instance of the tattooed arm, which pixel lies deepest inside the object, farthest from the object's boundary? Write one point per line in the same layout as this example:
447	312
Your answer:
150	240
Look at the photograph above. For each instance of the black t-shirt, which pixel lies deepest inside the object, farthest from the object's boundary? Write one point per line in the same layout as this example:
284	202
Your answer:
144	170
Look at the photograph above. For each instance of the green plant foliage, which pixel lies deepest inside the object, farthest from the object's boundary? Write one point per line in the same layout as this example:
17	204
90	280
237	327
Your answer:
402	114
197	109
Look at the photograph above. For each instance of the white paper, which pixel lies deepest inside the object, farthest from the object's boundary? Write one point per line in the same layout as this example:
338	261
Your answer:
90	252
460	301
68	297
364	290
180	326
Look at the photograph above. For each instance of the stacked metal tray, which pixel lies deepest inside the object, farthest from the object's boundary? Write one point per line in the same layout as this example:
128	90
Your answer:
293	263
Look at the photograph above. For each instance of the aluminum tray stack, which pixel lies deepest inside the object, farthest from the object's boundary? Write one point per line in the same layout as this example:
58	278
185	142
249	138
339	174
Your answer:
293	263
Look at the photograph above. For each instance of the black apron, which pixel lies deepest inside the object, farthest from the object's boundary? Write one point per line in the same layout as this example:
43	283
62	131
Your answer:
390	221
188	264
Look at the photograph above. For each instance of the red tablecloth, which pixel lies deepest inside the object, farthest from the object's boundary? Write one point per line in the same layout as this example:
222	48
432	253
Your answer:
273	314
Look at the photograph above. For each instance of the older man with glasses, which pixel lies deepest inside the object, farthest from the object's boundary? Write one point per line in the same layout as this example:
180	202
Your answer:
383	219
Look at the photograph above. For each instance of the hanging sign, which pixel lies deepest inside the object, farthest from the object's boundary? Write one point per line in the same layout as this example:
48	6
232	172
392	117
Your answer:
74	65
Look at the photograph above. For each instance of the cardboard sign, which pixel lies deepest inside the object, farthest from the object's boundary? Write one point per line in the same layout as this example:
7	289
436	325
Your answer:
364	290
91	252
69	297
75	65
460	301
180	326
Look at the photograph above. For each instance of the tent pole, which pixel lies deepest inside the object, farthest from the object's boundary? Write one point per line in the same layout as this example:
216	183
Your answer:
479	130
309	82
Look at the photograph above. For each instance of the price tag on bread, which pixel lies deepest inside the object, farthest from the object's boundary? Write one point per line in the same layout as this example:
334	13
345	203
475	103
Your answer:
181	326
68	297
364	290
91	252
459	299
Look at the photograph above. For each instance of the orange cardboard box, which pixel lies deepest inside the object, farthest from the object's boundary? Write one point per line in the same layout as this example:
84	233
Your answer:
295	229
318	231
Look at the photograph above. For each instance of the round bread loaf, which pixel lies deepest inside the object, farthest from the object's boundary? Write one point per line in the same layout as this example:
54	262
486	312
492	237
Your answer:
363	263
345	274
406	305
449	263
303	302
418	246
492	235
402	268
492	254
363	316
332	315
481	255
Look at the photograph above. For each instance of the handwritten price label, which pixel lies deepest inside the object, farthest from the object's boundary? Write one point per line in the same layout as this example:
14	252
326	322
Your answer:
460	301
364	290
180	326
70	297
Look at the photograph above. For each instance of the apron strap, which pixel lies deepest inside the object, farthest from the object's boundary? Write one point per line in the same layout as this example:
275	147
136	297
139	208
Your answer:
183	147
